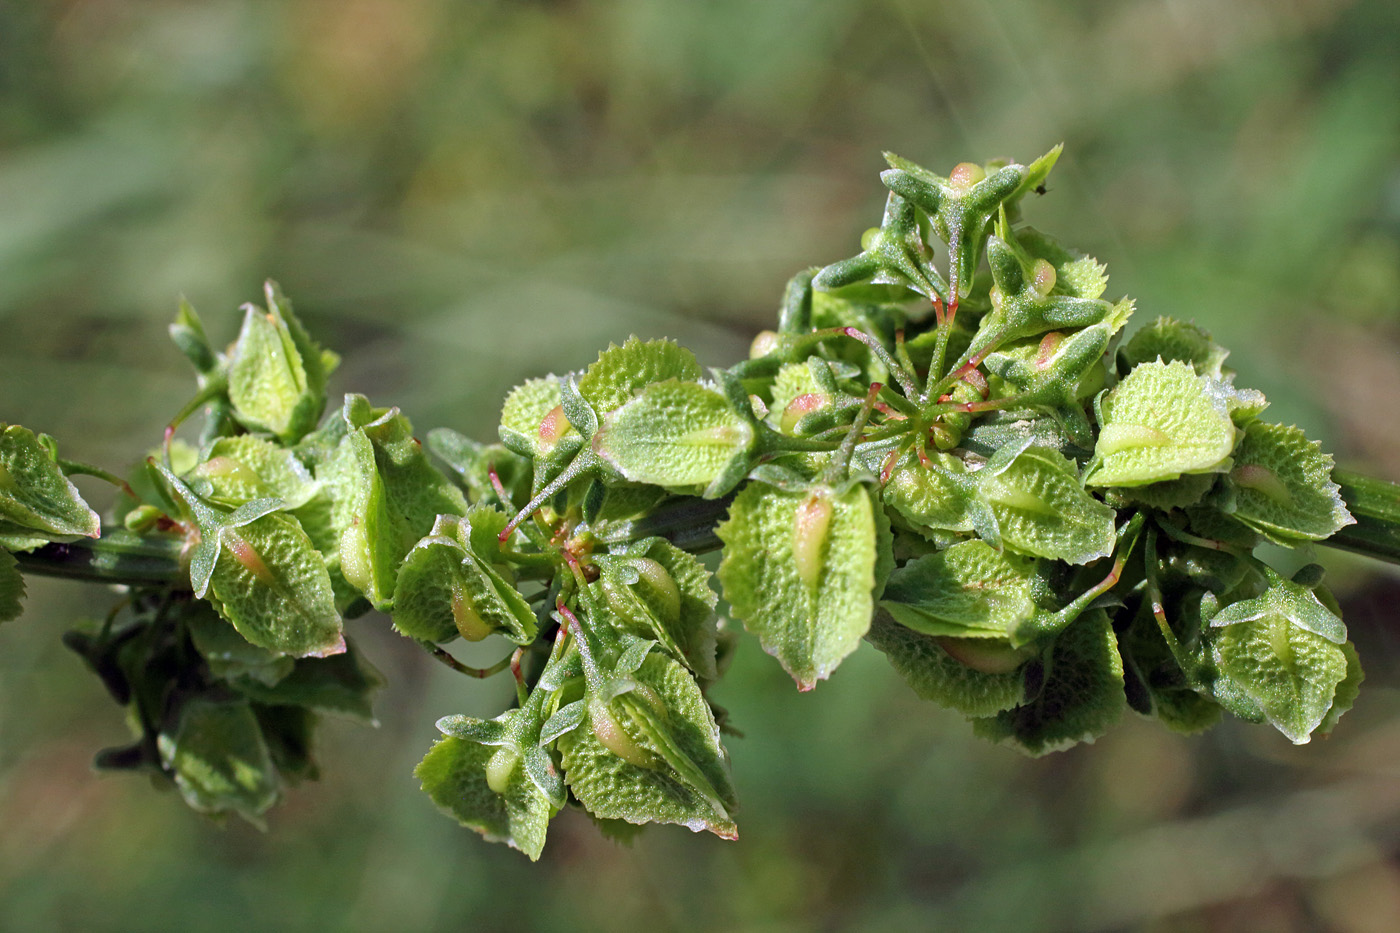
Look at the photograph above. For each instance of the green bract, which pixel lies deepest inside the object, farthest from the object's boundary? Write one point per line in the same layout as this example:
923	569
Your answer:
941	448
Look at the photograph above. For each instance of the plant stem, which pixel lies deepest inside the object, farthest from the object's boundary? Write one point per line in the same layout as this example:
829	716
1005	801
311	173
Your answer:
118	556
1375	504
122	556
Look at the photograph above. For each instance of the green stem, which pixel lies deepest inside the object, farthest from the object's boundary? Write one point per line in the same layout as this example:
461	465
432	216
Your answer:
118	556
1375	504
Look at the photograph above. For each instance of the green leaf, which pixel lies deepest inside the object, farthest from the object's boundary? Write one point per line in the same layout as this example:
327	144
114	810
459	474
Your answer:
935	675
1075	274
1159	423
229	655
1056	373
1171	494
259	569
968	590
938	496
621	372
893	254
11	587
473	461
1283	487
1043	510
682	436
1155	683
240	469
1167	339
652	754
1024	302
272	584
1287	600
793	381
187	332
341	685
1268	650
799	571
287	731
219	759
35	496
658	591
961	205
1347	691
487	784
277	376
387	497
1080	696
447	588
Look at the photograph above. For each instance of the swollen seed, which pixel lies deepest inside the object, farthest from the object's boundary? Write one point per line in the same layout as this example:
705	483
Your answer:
1043	276
553	426
867	239
651	697
248	556
142	518
500	768
1262	480
658	588
354	558
997	298
1118	437
227	468
1048	345
809	535
470	624
765	343
966	174
944	436
800	407
611	736
983	655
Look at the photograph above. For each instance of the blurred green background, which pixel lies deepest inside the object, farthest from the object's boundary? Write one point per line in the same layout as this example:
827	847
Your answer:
459	195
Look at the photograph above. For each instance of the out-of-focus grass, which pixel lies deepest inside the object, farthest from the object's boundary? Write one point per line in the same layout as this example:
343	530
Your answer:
459	195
